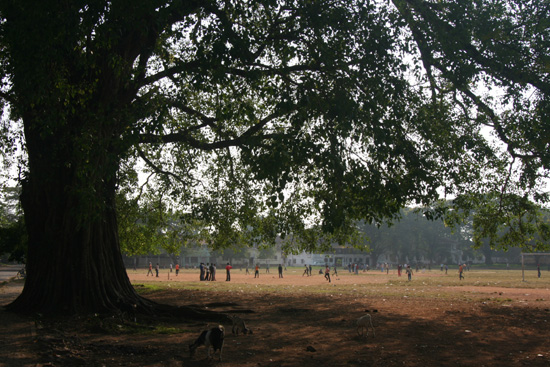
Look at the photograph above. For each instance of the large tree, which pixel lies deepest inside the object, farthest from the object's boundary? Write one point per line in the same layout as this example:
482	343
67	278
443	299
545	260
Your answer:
261	117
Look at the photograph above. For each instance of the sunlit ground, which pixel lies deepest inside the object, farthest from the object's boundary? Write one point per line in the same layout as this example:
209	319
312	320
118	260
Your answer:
429	283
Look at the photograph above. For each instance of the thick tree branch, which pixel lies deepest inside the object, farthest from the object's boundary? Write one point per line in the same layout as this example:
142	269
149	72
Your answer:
206	120
491	66
167	73
156	168
425	55
206	146
460	41
250	136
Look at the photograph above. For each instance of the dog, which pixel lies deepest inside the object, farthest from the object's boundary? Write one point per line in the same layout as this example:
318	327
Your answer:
364	322
209	338
239	325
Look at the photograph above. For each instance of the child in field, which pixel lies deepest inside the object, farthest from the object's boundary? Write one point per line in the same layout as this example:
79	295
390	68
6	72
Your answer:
327	273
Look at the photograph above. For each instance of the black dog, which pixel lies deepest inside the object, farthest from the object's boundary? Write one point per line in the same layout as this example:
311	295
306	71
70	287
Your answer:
209	338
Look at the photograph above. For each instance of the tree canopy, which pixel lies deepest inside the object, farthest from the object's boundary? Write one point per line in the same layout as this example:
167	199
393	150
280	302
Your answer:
274	117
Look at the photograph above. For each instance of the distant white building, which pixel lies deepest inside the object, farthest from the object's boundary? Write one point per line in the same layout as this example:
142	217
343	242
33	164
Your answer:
340	257
192	257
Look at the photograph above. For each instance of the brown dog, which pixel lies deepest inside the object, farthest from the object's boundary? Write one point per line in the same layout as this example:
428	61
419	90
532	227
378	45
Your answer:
239	326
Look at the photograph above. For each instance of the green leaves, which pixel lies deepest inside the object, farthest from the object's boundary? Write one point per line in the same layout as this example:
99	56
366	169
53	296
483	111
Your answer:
13	238
263	117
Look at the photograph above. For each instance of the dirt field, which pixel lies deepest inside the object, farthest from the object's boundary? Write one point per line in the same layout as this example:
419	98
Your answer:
491	318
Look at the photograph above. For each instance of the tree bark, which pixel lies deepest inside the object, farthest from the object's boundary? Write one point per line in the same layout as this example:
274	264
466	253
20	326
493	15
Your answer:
74	262
73	88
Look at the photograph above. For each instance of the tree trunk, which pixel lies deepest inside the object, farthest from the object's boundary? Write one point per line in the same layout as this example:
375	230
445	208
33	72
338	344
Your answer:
74	262
74	95
488	253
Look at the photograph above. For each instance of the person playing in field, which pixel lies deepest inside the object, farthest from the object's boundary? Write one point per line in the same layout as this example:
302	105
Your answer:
257	271
306	272
280	270
202	272
327	273
177	269
150	271
409	272
228	272
213	272
460	272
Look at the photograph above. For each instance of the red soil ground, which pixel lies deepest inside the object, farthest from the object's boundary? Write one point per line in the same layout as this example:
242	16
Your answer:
303	321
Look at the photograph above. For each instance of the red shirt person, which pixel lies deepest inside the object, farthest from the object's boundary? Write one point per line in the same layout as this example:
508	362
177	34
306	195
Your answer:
228	271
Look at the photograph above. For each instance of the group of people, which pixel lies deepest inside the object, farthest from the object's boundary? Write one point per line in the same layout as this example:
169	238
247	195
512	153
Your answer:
257	270
150	271
408	270
354	268
207	272
157	267
308	271
177	268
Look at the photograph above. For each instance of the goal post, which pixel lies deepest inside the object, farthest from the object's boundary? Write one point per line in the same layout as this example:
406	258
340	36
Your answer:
536	256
